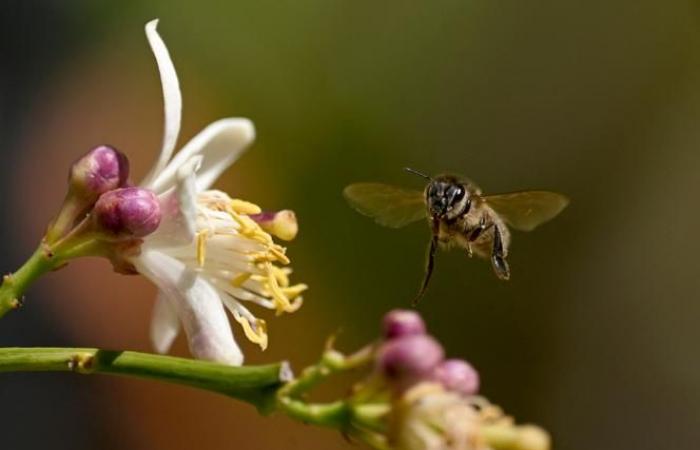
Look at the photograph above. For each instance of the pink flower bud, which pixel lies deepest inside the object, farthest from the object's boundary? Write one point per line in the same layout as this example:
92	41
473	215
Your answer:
402	322
100	170
409	359
133	211
457	375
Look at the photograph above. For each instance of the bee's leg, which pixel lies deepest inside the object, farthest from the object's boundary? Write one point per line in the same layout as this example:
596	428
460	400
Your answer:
498	259
476	232
429	265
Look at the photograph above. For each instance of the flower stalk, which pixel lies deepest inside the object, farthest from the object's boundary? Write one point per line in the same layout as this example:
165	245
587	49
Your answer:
15	284
47	257
255	385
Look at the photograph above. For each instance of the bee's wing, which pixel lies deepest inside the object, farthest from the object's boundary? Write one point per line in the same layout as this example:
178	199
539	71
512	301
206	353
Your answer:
527	209
390	206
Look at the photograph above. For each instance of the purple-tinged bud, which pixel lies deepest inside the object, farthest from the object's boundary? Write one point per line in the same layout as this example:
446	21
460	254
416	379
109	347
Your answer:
100	170
132	211
402	322
409	359
282	224
457	375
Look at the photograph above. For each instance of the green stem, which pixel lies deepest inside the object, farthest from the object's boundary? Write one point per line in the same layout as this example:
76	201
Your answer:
269	388
253	384
338	414
14	285
46	258
333	415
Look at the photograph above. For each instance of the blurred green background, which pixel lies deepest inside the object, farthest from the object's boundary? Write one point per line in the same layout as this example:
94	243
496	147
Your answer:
594	338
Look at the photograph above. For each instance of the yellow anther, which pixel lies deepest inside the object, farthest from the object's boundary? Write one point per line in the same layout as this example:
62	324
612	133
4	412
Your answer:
244	207
241	220
282	303
201	247
239	279
278	252
260	257
293	292
281	275
257	335
295	304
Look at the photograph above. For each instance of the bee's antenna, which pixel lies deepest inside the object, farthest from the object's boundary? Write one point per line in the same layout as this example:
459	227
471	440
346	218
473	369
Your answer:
415	172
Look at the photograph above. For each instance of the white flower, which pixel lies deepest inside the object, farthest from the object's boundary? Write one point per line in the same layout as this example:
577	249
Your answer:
208	254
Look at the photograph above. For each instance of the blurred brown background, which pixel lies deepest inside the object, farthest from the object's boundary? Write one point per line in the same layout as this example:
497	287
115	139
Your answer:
595	337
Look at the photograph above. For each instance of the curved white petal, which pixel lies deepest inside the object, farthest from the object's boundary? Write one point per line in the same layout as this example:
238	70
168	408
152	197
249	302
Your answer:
172	99
220	144
197	304
179	209
165	324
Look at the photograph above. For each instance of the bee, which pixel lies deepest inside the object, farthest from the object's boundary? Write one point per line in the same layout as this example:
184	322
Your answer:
458	214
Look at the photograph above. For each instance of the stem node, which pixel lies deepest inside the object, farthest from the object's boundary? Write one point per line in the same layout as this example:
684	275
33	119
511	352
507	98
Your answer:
82	363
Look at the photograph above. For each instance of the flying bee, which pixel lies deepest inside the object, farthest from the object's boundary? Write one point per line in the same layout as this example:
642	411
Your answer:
458	214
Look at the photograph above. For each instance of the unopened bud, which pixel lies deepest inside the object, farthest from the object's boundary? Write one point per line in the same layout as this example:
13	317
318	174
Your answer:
100	170
402	322
132	211
282	224
457	375
409	359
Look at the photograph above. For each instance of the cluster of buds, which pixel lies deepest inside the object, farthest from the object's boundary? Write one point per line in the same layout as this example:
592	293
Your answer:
413	398
434	400
102	209
409	356
98	187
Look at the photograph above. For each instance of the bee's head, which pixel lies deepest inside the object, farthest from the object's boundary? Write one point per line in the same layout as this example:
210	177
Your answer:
447	198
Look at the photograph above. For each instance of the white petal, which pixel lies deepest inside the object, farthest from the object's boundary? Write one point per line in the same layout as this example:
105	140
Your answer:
165	324
172	100
220	144
197	304
179	210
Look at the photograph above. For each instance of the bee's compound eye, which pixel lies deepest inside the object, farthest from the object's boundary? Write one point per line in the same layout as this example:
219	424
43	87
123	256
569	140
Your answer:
432	191
455	193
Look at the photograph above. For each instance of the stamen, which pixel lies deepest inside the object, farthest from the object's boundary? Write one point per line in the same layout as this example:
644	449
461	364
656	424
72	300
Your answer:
283	304
239	279
293	292
243	260
256	333
278	252
201	247
281	275
244	207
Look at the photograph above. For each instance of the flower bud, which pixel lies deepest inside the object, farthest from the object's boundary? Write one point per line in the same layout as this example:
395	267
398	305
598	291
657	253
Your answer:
100	170
458	376
133	211
402	322
282	224
409	359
